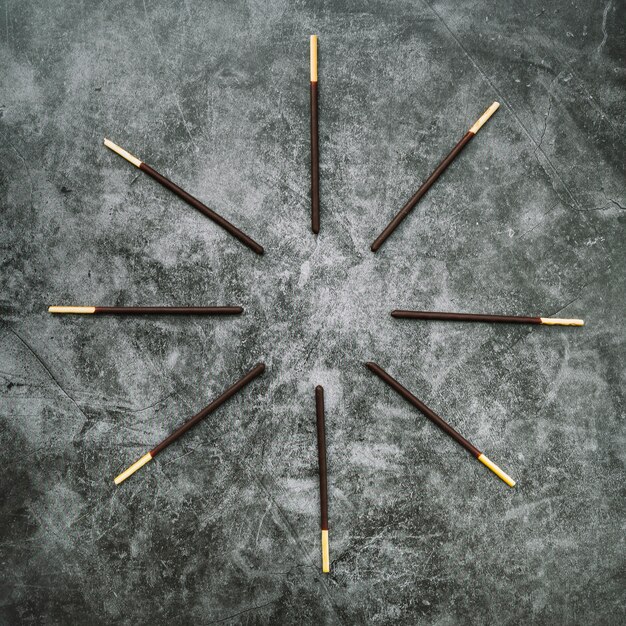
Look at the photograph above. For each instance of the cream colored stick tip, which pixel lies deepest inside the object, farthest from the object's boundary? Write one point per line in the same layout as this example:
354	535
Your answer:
84	310
126	155
313	58
496	470
325	553
133	468
555	321
484	117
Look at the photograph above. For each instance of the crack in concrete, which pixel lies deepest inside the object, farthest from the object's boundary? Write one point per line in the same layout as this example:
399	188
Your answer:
49	371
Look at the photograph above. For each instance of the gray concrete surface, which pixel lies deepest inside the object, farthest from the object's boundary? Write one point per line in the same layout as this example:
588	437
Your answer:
223	526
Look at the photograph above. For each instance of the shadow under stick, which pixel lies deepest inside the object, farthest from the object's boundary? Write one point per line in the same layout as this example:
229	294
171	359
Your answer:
426	185
321	453
439	421
231	391
315	155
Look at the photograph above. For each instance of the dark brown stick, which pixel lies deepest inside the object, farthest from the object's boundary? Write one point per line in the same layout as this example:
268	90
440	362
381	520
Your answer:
148	310
465	317
321	454
170	310
188	198
315	166
431	415
426	185
315	173
196	204
229	393
410	205
476	317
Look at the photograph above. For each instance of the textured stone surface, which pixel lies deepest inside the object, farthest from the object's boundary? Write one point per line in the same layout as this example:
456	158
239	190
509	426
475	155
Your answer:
224	525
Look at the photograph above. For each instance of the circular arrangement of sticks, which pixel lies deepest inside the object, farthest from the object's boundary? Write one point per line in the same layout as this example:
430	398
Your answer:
237	310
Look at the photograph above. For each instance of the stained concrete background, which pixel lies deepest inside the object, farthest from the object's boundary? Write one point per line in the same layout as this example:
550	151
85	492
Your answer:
224	526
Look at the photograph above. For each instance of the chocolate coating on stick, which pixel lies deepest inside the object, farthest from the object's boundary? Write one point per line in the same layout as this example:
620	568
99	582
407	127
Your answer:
169	310
196	204
464	317
315	167
321	453
418	404
229	393
426	185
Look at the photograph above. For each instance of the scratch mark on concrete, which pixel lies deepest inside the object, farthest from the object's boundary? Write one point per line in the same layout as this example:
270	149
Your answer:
545	122
176	99
252	608
47	369
515	115
604	32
